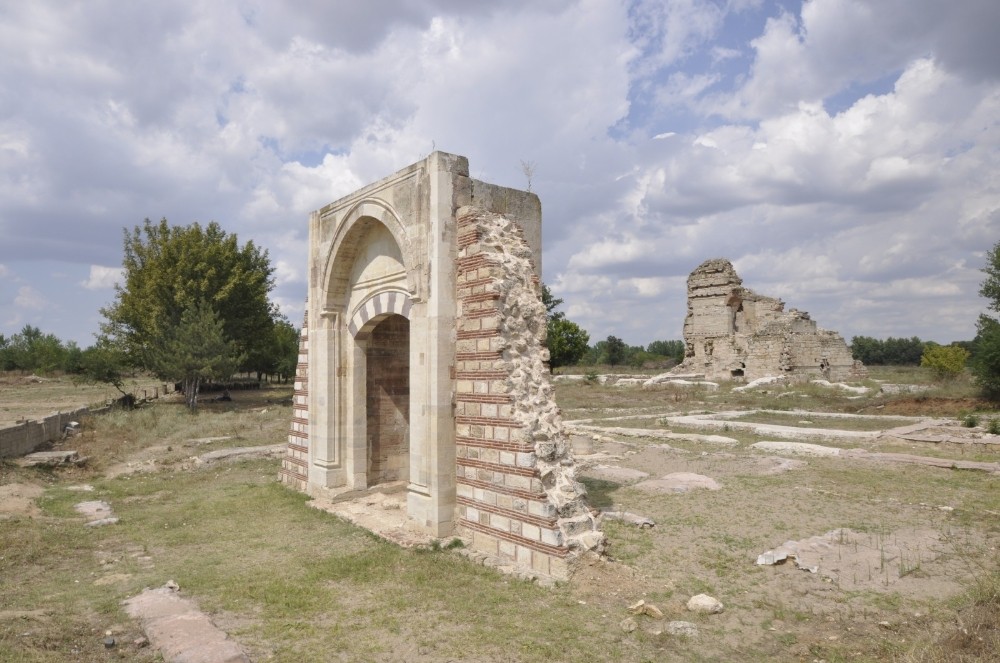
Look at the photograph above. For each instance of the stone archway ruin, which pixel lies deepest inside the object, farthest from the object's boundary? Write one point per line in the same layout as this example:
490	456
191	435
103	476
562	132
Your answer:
422	360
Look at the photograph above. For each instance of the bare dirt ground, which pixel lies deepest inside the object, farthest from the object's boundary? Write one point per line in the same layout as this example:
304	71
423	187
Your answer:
888	548
31	396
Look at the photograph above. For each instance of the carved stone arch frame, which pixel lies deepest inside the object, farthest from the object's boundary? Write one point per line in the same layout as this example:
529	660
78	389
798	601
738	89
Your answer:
350	231
339	455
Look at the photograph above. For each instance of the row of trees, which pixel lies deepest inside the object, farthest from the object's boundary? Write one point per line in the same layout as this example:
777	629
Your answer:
32	351
613	351
888	352
568	344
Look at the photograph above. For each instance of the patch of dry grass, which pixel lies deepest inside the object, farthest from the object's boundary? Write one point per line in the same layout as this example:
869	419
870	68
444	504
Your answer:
294	584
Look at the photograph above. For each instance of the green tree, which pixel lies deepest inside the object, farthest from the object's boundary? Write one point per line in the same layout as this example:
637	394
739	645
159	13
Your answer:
567	342
985	364
867	350
551	303
105	362
890	352
903	351
196	349
285	349
946	361
32	350
986	358
671	349
172	269
614	350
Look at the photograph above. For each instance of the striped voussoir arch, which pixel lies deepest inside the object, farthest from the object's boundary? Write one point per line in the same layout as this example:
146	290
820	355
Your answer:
373	309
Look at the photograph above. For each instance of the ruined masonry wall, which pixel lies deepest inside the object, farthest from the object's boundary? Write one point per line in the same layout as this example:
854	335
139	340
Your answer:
294	467
732	332
517	495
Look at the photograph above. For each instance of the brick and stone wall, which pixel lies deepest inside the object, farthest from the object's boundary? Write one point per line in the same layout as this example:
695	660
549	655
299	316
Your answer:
294	467
517	495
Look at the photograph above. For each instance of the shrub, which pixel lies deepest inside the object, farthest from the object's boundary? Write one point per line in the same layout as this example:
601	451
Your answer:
946	361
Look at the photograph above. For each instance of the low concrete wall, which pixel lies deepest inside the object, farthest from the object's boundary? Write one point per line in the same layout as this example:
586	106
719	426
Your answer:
25	437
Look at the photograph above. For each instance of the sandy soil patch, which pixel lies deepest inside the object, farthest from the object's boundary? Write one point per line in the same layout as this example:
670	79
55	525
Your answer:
18	500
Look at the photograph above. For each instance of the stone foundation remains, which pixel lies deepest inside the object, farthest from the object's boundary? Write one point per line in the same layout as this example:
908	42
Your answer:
422	359
732	333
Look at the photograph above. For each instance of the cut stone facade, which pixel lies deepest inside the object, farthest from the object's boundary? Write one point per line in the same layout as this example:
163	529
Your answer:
423	360
731	332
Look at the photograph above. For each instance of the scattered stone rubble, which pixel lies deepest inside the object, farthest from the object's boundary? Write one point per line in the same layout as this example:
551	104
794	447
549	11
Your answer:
731	332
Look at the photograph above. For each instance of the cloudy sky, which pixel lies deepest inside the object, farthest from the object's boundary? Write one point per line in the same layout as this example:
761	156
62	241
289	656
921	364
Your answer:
844	154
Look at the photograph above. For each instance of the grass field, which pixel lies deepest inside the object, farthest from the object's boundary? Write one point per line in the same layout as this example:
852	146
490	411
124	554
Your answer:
291	583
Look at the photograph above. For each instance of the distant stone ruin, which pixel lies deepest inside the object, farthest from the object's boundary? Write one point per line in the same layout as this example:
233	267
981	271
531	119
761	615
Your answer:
732	333
423	365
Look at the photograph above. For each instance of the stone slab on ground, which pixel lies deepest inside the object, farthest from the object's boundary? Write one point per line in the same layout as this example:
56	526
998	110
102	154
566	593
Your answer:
97	513
51	459
652	433
857	560
381	510
778	465
180	631
707	439
760	382
243	453
804	449
797	448
615	473
910	459
678	482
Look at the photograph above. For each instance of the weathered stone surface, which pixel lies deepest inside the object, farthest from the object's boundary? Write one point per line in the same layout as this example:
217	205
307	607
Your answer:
616	474
97	513
182	632
798	448
666	379
679	482
642	522
682	629
731	332
705	604
893	389
242	453
51	459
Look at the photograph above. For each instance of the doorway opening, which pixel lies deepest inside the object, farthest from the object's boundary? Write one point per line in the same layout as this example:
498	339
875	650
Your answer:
387	398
